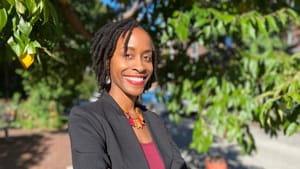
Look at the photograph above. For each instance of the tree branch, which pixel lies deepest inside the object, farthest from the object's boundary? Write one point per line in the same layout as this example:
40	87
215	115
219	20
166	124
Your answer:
74	20
134	8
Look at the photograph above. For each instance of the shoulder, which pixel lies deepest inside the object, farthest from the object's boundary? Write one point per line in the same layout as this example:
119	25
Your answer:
86	110
88	118
98	111
91	112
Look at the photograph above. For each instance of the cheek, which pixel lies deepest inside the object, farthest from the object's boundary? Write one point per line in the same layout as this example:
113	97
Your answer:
116	66
150	68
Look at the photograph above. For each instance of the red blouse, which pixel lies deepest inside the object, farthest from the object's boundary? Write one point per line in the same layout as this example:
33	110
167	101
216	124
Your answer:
153	158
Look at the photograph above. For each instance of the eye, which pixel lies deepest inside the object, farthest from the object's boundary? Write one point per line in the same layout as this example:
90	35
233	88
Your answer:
147	58
128	56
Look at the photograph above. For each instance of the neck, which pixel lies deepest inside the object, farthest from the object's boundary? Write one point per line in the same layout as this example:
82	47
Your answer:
124	101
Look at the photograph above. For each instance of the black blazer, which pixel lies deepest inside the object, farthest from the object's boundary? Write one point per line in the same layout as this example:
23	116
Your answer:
101	138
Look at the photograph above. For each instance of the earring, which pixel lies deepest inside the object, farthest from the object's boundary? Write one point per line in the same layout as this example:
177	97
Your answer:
107	79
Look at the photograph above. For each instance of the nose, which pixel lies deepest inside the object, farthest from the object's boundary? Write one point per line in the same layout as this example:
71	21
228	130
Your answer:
139	65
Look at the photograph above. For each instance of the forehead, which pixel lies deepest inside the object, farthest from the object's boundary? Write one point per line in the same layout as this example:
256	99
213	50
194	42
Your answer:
138	37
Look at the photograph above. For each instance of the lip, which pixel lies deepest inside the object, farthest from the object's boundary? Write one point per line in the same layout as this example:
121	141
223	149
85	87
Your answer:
136	80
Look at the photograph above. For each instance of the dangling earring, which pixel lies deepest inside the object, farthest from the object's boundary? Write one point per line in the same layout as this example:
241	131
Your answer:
107	79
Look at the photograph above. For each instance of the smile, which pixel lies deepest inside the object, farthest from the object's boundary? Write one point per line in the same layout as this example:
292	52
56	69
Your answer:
136	80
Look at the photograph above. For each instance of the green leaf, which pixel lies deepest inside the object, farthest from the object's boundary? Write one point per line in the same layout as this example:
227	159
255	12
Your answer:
272	24
293	14
296	97
211	82
261	26
49	11
3	18
251	30
280	114
247	29
170	29
291	129
20	39
14	23
200	41
36	13
289	102
228	18
253	67
24	27
207	31
20	7
46	12
175	14
182	27
262	118
182	32
15	46
31	47
221	28
282	17
200	21
202	136
232	132
31	6
164	38
11	2
294	90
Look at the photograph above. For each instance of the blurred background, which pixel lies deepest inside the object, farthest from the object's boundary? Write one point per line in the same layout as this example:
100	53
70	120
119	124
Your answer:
228	87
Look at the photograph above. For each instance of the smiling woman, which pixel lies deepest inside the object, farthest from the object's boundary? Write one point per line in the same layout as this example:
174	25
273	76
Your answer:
131	66
117	131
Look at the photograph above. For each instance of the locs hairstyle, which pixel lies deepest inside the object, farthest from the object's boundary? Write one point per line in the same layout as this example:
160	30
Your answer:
103	47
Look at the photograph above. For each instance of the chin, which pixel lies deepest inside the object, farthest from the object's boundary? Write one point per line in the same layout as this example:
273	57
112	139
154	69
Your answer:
135	92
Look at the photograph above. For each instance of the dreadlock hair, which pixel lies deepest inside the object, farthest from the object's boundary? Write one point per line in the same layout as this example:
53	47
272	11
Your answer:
103	47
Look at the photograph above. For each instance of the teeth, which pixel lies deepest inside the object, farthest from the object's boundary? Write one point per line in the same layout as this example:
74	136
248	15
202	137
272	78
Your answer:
137	79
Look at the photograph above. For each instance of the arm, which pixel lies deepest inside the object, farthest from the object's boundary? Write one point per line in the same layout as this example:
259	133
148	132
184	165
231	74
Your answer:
87	141
178	161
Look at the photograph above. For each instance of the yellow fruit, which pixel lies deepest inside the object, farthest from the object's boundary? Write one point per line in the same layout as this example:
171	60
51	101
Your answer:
26	60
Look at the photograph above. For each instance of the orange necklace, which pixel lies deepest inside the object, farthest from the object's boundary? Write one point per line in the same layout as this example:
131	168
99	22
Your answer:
138	122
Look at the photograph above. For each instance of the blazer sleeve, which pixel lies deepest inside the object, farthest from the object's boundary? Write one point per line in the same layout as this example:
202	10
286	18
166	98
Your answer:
87	141
177	161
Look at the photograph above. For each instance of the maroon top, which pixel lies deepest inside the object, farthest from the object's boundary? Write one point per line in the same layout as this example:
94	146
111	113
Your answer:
153	158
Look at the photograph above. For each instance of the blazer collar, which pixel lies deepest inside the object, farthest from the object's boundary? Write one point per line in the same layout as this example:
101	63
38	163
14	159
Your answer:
130	147
159	138
111	101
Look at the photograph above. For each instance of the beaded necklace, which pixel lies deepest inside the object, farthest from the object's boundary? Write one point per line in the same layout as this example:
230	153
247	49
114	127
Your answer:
138	122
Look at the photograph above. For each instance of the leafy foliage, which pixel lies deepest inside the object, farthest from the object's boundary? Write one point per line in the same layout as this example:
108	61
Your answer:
233	86
54	57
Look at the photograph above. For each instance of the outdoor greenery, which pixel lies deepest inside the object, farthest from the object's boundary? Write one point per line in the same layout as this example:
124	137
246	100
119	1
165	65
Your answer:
256	80
230	62
49	56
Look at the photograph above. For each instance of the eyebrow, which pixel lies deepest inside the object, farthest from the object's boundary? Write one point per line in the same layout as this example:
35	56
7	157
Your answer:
146	51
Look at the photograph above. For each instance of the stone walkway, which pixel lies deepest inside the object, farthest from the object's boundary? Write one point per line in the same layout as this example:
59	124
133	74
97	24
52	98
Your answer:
27	149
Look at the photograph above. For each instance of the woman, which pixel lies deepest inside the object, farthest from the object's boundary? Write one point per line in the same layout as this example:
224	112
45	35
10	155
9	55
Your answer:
116	131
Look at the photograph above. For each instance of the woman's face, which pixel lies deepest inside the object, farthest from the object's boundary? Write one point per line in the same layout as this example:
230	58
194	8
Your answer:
130	71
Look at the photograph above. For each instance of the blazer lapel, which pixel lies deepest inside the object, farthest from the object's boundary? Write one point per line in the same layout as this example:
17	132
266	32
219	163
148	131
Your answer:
131	150
159	136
